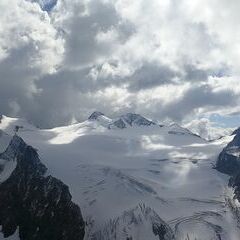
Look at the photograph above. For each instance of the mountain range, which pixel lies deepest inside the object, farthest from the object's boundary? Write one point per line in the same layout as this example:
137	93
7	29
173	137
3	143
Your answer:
127	178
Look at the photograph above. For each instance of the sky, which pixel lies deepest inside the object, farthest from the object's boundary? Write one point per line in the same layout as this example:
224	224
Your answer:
171	60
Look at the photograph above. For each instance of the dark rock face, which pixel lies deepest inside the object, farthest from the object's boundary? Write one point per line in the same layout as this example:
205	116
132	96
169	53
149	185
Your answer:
137	119
40	206
228	160
118	123
95	115
229	163
237	131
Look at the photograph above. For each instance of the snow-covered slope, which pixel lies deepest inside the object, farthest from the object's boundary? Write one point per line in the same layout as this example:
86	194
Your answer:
111	170
208	130
9	125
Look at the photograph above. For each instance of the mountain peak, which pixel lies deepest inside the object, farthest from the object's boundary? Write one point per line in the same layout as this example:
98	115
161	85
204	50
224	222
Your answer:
137	119
95	115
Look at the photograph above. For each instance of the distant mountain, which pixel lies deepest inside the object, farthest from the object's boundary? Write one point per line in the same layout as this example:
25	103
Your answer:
134	120
124	121
95	115
207	130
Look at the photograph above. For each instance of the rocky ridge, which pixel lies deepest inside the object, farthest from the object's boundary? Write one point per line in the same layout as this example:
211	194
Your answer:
38	204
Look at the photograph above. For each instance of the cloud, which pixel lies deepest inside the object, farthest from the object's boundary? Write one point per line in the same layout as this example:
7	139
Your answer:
199	98
165	59
150	76
92	30
28	30
29	48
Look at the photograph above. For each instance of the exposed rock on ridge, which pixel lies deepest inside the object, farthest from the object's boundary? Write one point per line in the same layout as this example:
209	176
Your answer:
40	206
139	223
229	163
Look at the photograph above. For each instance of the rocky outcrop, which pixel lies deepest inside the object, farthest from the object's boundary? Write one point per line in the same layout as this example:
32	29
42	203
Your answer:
95	115
136	119
129	119
139	223
39	205
118	124
236	131
229	163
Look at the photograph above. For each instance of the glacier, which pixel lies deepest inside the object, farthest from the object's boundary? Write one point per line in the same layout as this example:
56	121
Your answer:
127	168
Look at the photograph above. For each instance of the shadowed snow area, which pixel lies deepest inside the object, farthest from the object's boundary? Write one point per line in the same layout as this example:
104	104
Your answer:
13	237
111	170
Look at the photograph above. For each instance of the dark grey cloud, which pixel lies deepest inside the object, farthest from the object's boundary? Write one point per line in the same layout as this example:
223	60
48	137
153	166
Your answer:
150	76
199	97
16	81
82	28
26	52
193	74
